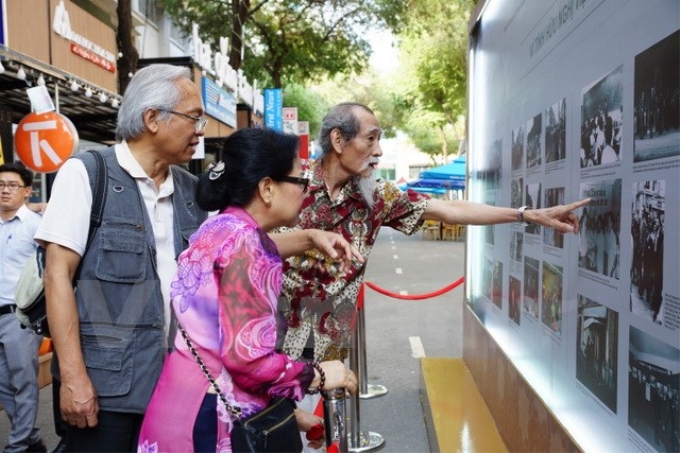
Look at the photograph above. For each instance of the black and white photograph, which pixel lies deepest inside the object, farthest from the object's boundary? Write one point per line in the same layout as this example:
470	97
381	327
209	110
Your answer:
647	235
533	201
600	228
597	338
602	121
531	283
489	234
516	192
492	173
515	299
653	387
516	245
534	151
517	148
552	237
657	101
556	132
497	284
489	231
551	305
493	283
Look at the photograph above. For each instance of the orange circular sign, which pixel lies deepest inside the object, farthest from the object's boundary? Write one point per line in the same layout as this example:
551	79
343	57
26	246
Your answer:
44	141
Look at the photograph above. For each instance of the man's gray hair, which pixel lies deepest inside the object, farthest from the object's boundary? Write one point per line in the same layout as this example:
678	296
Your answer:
341	117
152	87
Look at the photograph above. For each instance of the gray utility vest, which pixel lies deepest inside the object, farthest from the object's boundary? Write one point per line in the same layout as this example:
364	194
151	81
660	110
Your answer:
119	297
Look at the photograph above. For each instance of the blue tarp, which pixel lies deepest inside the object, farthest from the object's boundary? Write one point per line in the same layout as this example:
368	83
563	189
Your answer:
435	190
450	184
447	177
452	171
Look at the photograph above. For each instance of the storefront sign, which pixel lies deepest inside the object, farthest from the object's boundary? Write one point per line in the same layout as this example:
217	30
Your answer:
92	57
217	64
80	45
2	23
303	134
219	103
41	101
273	109
290	120
44	141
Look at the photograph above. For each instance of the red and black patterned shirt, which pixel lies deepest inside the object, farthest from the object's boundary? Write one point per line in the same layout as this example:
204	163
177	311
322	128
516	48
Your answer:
315	294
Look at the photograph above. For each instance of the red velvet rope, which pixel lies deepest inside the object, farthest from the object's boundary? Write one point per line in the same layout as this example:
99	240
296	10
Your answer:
409	296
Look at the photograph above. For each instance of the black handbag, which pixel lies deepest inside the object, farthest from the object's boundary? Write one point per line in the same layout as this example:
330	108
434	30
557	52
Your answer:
272	430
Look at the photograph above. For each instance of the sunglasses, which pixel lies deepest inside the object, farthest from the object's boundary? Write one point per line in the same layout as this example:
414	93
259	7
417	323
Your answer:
303	182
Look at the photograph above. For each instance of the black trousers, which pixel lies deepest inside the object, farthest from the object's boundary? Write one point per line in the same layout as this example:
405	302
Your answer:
205	426
115	432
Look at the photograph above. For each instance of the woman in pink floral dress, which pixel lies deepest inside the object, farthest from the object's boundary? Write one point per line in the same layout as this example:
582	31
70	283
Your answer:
225	297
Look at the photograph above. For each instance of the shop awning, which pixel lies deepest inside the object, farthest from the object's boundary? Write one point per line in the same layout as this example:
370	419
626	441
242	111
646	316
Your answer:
95	120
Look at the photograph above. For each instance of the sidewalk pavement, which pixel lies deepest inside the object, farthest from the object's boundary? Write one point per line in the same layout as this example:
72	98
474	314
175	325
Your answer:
396	330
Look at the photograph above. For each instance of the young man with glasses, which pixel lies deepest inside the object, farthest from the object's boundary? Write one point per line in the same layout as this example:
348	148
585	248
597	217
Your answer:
18	347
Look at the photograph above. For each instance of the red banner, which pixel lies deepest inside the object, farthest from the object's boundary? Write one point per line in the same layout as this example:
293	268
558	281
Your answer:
93	57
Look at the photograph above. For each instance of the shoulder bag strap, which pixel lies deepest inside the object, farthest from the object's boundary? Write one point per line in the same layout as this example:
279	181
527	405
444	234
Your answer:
99	189
234	411
98	194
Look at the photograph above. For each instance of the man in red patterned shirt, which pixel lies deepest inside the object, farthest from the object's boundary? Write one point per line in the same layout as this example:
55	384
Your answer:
318	299
344	196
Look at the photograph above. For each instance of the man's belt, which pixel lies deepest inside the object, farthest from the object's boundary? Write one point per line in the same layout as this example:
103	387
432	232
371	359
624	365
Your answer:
7	309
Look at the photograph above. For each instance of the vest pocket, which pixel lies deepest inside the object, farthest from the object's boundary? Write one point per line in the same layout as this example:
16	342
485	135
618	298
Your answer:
123	255
109	363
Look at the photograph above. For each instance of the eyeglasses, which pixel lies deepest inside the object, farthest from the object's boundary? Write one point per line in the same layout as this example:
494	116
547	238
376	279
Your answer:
200	122
11	186
303	182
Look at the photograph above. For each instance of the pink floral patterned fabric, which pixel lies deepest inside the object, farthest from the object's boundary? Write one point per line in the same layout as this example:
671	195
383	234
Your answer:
316	298
224	295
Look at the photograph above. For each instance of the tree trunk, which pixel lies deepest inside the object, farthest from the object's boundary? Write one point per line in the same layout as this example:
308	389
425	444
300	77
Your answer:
445	145
127	63
239	14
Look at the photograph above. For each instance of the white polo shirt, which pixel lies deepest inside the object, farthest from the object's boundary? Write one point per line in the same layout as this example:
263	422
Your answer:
66	219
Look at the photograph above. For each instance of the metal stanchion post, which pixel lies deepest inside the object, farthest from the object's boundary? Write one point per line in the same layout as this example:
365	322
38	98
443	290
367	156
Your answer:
359	441
335	417
366	390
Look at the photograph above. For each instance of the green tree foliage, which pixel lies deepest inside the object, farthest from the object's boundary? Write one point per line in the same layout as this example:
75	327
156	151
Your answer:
367	88
311	107
431	93
290	40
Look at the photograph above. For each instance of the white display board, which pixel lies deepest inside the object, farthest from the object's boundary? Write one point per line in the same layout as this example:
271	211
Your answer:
572	99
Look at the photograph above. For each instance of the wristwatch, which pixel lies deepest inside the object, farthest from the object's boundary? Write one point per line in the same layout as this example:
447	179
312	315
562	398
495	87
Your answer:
520	215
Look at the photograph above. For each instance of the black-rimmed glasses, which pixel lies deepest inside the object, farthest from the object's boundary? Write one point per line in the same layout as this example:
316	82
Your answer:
303	182
200	122
11	186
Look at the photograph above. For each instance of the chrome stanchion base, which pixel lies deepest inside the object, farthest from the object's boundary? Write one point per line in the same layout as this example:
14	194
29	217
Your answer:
368	441
373	391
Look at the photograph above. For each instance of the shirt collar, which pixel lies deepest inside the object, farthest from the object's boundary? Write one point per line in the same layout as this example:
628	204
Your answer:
20	215
349	189
128	163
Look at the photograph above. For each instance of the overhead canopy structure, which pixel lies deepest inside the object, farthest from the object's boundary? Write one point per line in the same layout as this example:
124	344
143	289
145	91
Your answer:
95	120
447	177
453	171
